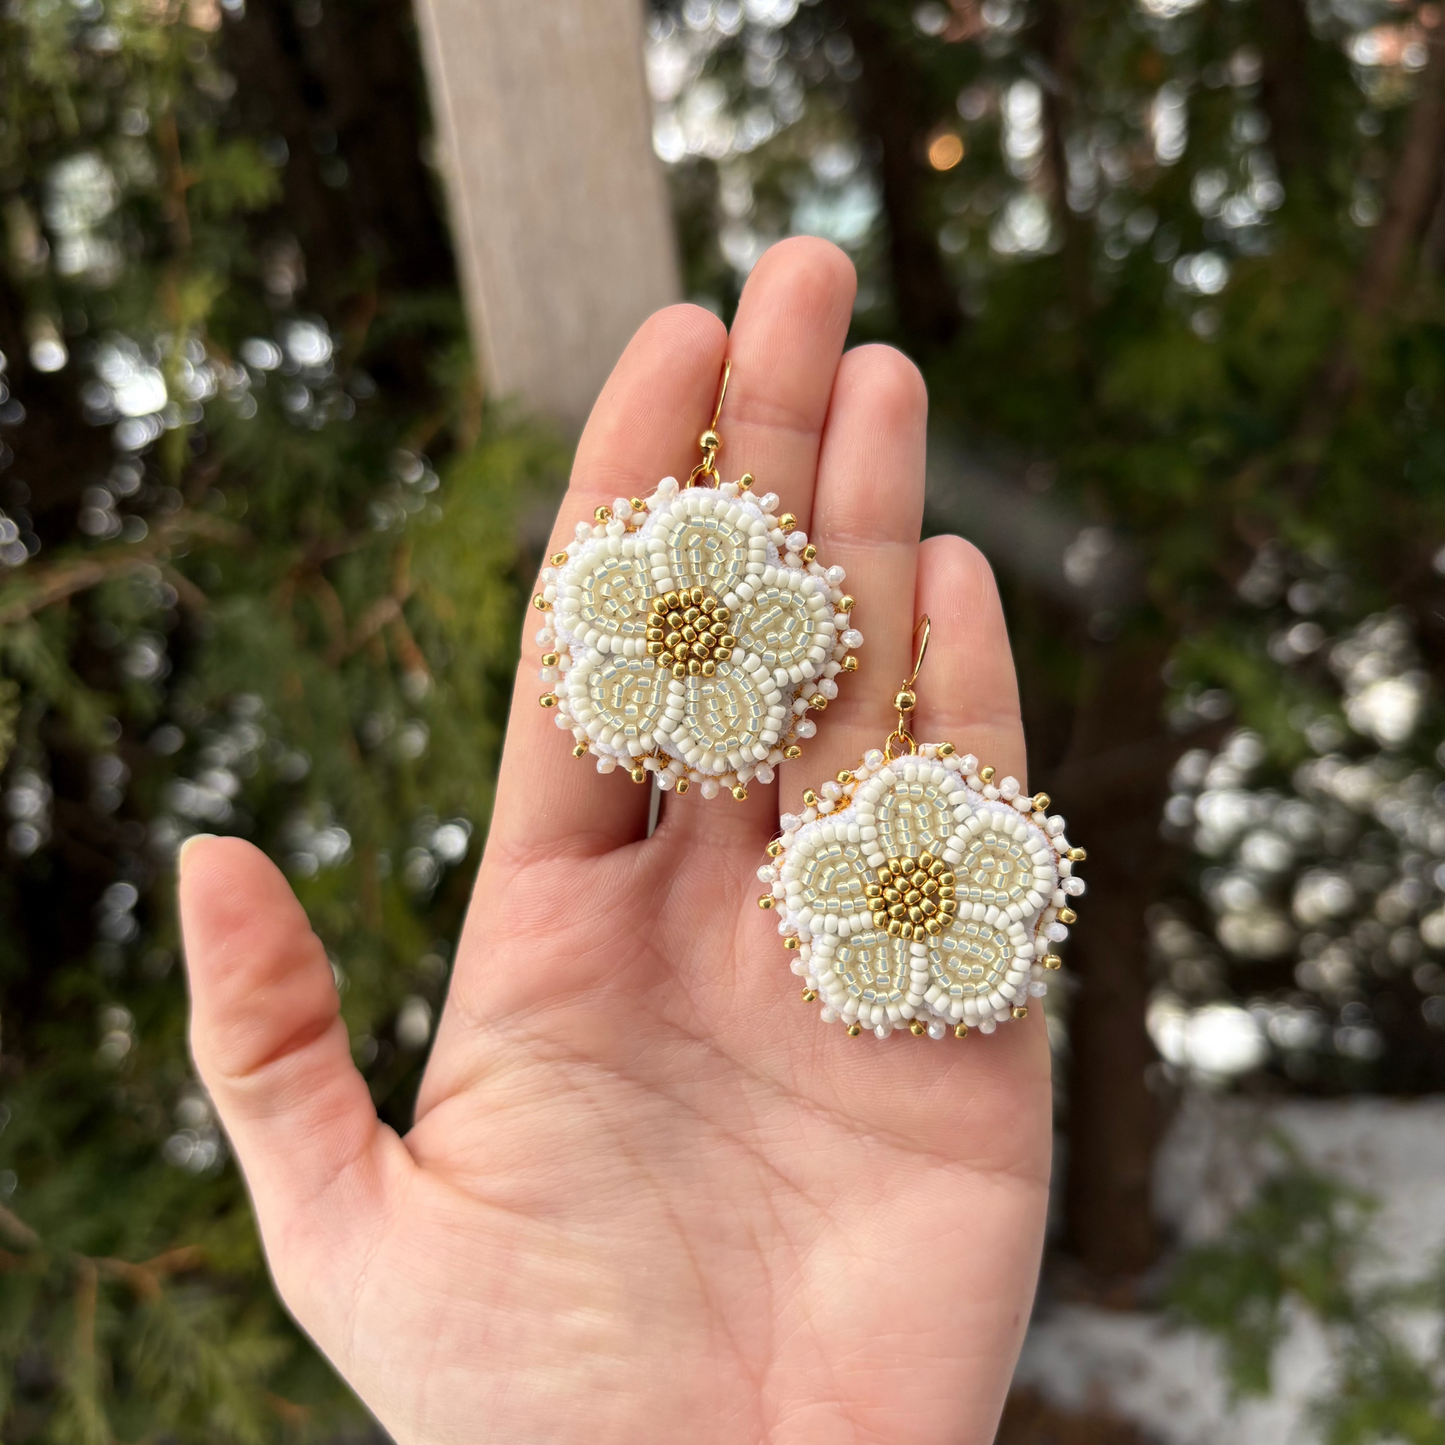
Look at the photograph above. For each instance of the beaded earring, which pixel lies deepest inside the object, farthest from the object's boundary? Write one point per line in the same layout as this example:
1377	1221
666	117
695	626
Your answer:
691	632
920	891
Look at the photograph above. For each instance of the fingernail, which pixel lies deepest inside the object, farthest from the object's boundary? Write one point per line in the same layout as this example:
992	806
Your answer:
186	847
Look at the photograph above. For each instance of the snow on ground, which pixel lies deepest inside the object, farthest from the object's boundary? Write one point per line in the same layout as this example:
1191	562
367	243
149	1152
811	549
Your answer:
1169	1381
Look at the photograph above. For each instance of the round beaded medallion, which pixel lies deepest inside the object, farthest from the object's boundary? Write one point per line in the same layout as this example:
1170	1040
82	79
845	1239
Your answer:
918	892
691	632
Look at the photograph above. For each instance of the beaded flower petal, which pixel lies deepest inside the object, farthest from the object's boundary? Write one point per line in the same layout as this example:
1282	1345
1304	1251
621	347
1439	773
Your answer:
918	892
691	633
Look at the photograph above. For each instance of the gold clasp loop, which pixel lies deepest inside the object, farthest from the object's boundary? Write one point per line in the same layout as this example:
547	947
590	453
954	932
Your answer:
905	699
710	441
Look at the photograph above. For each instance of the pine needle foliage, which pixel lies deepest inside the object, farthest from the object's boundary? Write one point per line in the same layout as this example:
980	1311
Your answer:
1304	1248
258	574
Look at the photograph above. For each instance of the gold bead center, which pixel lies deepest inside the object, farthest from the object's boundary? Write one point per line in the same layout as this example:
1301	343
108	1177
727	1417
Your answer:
689	631
913	897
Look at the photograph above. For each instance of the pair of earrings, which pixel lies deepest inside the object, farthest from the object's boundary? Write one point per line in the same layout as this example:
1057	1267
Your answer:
690	635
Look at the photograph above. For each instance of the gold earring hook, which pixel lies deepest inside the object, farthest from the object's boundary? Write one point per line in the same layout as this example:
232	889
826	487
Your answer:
710	441
925	626
721	394
905	700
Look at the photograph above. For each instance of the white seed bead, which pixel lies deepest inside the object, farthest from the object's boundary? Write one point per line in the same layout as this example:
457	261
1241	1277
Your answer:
852	638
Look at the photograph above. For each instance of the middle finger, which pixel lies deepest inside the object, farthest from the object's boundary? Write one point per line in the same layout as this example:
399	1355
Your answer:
785	345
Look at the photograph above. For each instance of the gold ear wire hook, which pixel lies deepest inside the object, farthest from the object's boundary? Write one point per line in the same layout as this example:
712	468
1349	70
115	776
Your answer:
722	394
905	699
925	626
710	441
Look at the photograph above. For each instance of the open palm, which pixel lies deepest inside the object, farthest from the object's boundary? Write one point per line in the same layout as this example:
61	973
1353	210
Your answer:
649	1197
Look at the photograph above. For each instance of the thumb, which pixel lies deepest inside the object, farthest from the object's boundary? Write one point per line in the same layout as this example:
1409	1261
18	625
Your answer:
272	1048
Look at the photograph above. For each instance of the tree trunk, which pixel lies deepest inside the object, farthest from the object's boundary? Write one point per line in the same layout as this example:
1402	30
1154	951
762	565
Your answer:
1115	781
898	108
563	227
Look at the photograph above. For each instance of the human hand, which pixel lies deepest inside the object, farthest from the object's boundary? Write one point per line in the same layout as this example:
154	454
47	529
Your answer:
648	1196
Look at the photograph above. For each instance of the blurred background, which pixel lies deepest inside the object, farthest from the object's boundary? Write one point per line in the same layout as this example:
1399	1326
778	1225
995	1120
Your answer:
1175	270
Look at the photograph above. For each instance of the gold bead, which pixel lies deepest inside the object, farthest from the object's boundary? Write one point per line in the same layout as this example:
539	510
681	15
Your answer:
557	558
548	699
818	701
740	793
682	786
810	995
602	514
581	750
787	521
1041	802
850	664
792	751
745	482
844	776
810	553
767	901
854	1030
946	750
1052	960
1020	1011
791	942
639	774
709	441
961	1032
550	659
541	603
637	504
1076	855
905	700
916	1029
1067	915
847	603
775	848
672	600
986	774
694	668
810	798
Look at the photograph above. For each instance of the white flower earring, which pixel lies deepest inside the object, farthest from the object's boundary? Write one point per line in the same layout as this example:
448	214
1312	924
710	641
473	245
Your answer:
691	632
920	891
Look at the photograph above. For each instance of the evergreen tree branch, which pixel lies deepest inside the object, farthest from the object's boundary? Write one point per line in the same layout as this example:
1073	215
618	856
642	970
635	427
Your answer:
43	586
1410	200
17	1228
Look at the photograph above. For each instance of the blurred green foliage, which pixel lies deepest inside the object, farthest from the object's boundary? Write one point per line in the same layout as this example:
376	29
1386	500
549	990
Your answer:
260	575
1303	1249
